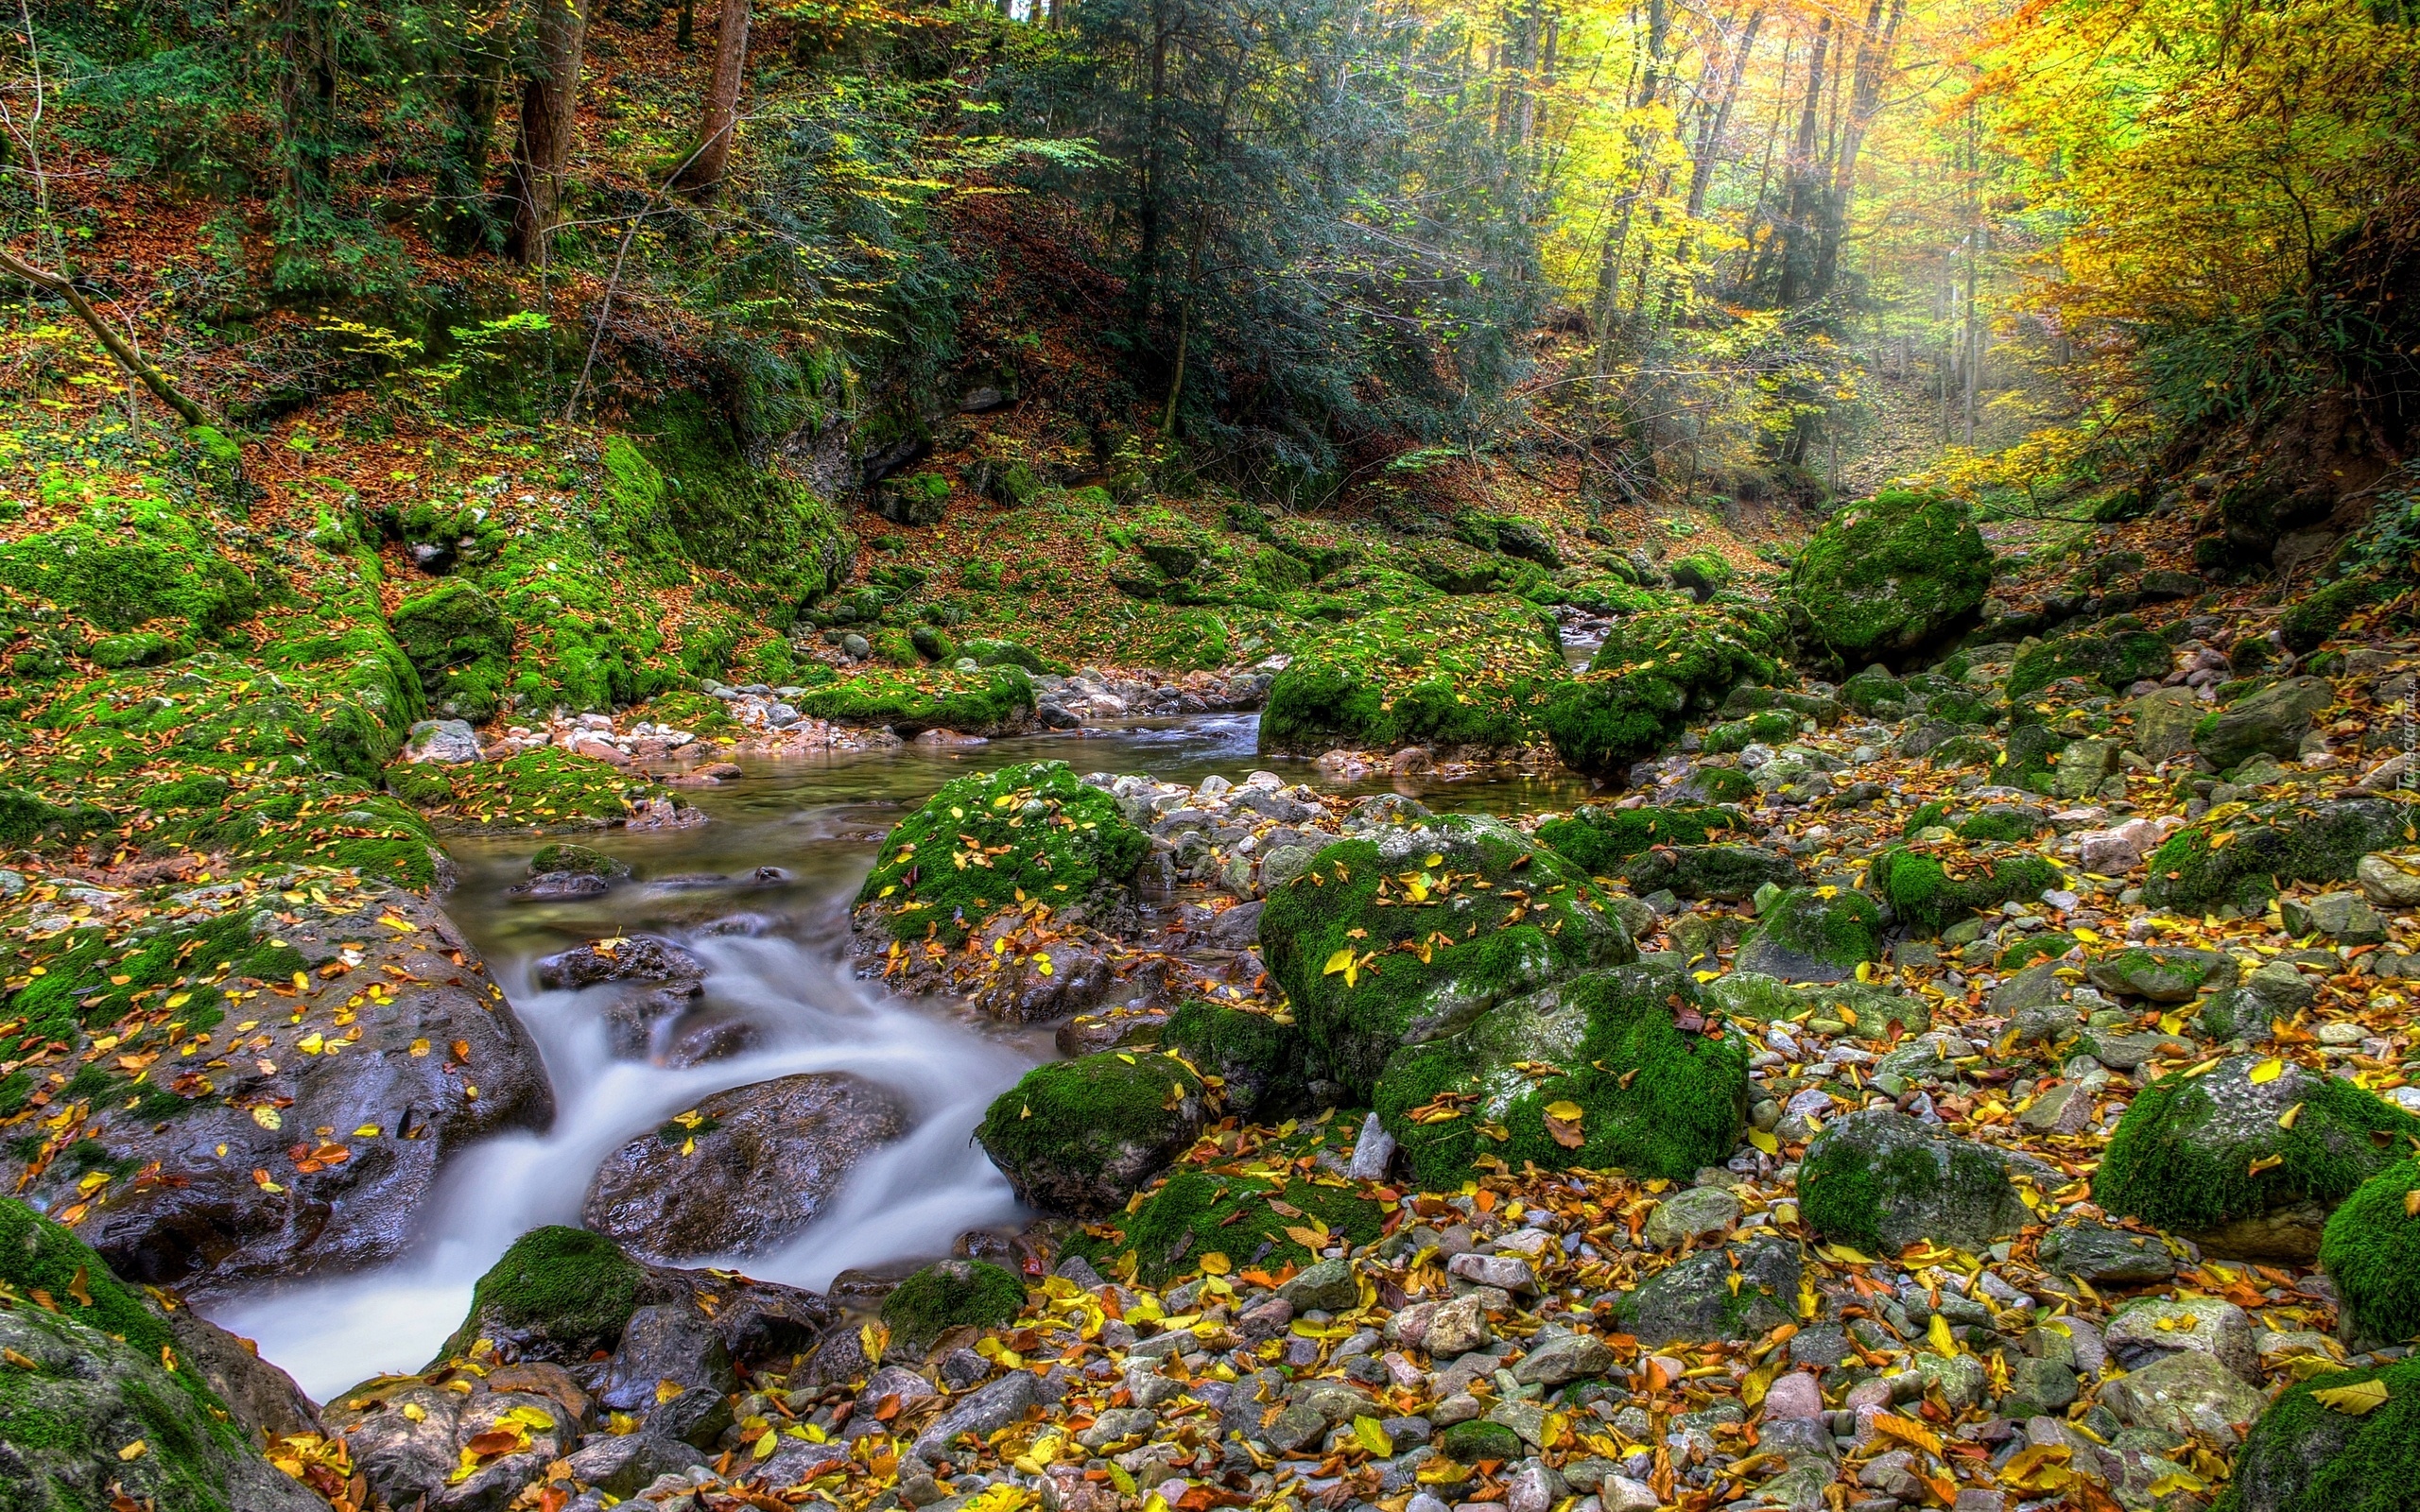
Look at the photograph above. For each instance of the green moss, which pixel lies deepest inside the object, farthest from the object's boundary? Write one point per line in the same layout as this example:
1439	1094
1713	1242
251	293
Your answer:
1468	672
461	646
1260	1059
548	787
953	1294
2372	1253
781	546
1887	577
571	1287
1725	871
2005	827
1039	834
2303	1456
2033	947
1467	1443
1722	784
1845	1188
2321	614
30	821
991	652
1643	682
204	955
1599	839
2115	661
1086	1123
1655	1099
423	785
137	648
129	563
1872	691
1841	931
2195	869
1935	811
1923	895
1421	962
1194	1213
564	855
1703	573
2161	1167
38	1254
996	701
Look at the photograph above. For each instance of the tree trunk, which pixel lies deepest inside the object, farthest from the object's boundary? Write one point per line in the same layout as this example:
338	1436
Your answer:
706	166
468	134
118	347
1874	53
684	31
1147	210
1718	120
549	119
1806	189
307	97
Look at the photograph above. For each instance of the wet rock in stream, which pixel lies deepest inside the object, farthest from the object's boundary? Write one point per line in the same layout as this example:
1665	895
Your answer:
742	1171
309	1135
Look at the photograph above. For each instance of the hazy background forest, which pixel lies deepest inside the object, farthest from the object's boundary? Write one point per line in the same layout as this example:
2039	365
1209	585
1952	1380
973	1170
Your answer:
1739	250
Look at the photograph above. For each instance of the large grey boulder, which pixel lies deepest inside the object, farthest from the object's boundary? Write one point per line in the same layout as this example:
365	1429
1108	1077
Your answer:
2272	721
1878	1178
744	1170
1697	1300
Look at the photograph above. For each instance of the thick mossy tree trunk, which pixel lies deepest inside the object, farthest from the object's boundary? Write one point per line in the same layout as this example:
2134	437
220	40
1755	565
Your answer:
550	120
704	173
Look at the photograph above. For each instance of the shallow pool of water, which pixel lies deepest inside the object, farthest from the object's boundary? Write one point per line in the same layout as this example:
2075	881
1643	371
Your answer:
819	820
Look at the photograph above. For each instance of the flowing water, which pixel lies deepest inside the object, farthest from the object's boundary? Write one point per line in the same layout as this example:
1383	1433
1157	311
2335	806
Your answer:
789	978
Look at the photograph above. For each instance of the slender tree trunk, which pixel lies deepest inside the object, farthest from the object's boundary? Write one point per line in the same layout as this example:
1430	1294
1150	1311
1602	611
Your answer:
549	119
1874	55
480	60
1718	120
118	347
704	173
1147	210
306	92
1805	188
684	30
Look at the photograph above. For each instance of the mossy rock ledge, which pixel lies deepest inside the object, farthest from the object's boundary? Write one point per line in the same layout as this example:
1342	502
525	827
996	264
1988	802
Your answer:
1410	934
2194	1155
1031	834
1653	1094
1599	839
1080	1136
87	1380
1880	1180
2193	871
1465	678
1889	577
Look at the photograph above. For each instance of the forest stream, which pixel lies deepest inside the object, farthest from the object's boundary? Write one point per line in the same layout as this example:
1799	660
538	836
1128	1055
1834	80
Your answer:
776	949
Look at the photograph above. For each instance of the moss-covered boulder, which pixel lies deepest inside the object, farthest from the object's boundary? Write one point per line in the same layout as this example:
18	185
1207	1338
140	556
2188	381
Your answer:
1889	577
556	1294
1641	686
1409	935
1729	872
1881	1181
2162	974
1467	675
1261	1059
1813	935
2272	722
1081	1136
2207	1156
1703	573
1737	1292
2239	861
461	645
1610	1068
992	701
1252	1220
998	841
1926	895
950	1294
578	860
1599	839
131	562
2371	1250
102	1404
1869	1010
2303	1456
2116	662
